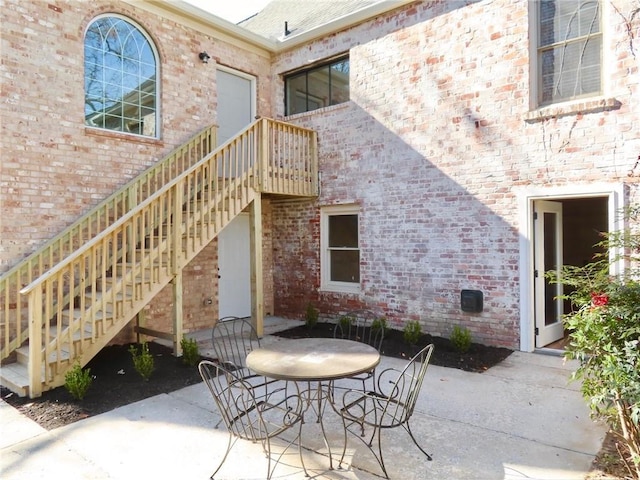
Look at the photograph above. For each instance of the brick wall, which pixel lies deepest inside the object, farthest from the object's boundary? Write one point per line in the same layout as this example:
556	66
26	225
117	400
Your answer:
433	146
54	168
436	141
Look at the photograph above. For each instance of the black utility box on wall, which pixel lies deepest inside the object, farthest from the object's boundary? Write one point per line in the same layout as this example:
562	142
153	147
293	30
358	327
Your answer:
471	301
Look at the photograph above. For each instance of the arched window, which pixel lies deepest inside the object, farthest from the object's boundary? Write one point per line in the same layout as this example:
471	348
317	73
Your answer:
120	77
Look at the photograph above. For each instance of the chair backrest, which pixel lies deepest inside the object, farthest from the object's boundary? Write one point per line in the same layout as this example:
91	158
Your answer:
244	415
233	338
362	326
402	389
235	401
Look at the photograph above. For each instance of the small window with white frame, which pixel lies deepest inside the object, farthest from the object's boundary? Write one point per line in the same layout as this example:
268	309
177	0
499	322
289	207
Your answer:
569	50
340	248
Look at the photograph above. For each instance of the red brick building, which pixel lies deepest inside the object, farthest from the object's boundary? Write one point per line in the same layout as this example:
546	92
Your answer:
463	146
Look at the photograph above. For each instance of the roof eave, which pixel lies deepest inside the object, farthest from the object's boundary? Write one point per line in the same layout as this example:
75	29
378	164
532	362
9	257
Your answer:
339	23
226	27
292	41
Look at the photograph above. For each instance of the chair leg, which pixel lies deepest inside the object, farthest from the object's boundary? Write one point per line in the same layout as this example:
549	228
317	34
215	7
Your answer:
344	449
230	444
268	450
304	467
266	447
407	427
379	456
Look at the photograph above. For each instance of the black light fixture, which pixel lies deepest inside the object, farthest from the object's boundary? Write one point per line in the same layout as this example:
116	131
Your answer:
204	56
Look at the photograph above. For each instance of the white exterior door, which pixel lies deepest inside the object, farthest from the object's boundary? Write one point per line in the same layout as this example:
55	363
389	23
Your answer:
236	110
547	256
236	102
234	297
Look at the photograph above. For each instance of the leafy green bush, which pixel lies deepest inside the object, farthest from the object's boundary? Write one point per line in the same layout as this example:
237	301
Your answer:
77	381
142	361
380	324
604	331
311	316
345	322
190	352
412	332
461	338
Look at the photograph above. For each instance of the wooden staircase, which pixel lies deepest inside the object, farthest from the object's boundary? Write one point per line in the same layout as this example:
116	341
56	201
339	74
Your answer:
68	300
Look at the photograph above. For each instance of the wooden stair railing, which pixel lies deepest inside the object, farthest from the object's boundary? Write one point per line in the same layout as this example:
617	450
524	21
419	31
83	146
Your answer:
13	307
81	303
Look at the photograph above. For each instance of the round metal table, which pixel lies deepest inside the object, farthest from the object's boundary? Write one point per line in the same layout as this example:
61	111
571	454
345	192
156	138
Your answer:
313	359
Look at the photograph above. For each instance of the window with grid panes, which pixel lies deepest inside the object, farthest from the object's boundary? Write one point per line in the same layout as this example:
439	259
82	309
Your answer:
317	87
569	52
120	77
340	248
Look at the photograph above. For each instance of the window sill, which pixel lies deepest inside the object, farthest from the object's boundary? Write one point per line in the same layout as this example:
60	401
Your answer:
129	137
355	290
594	105
317	111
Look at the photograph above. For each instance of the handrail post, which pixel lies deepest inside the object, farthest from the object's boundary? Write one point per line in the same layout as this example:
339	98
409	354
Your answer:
175	246
315	168
35	342
264	153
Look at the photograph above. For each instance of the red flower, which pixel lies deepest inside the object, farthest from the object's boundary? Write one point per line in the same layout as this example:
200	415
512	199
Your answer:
599	299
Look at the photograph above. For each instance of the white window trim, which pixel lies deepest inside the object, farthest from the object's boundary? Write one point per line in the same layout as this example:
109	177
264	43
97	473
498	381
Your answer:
325	273
157	133
573	105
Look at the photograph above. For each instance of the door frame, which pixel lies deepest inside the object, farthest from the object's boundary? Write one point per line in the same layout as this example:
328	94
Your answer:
253	96
526	196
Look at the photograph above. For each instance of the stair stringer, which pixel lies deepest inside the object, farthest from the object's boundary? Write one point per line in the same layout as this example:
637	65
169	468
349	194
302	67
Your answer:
131	310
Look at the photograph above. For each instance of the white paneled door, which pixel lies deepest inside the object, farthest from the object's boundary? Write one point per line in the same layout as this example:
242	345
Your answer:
234	268
547	256
236	110
236	107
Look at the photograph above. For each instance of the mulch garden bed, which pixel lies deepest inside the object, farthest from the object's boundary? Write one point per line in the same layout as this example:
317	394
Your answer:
477	359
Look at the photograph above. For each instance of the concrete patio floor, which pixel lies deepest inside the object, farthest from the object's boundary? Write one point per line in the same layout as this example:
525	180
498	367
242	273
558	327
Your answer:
520	419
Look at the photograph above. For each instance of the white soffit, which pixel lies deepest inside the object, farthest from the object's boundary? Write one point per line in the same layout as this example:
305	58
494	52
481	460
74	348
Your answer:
207	22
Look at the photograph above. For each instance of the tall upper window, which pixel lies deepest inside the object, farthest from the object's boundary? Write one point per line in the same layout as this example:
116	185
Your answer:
340	245
317	87
120	77
569	50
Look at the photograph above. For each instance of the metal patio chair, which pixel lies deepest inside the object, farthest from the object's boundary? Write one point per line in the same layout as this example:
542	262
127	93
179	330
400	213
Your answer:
233	338
390	405
258	419
361	326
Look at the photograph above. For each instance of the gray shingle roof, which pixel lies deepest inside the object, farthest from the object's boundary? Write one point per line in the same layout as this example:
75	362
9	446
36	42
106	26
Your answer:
300	15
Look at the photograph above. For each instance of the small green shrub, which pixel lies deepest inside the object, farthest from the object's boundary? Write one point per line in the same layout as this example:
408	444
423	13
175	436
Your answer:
412	332
77	381
380	324
461	339
142	361
311	316
190	352
345	322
